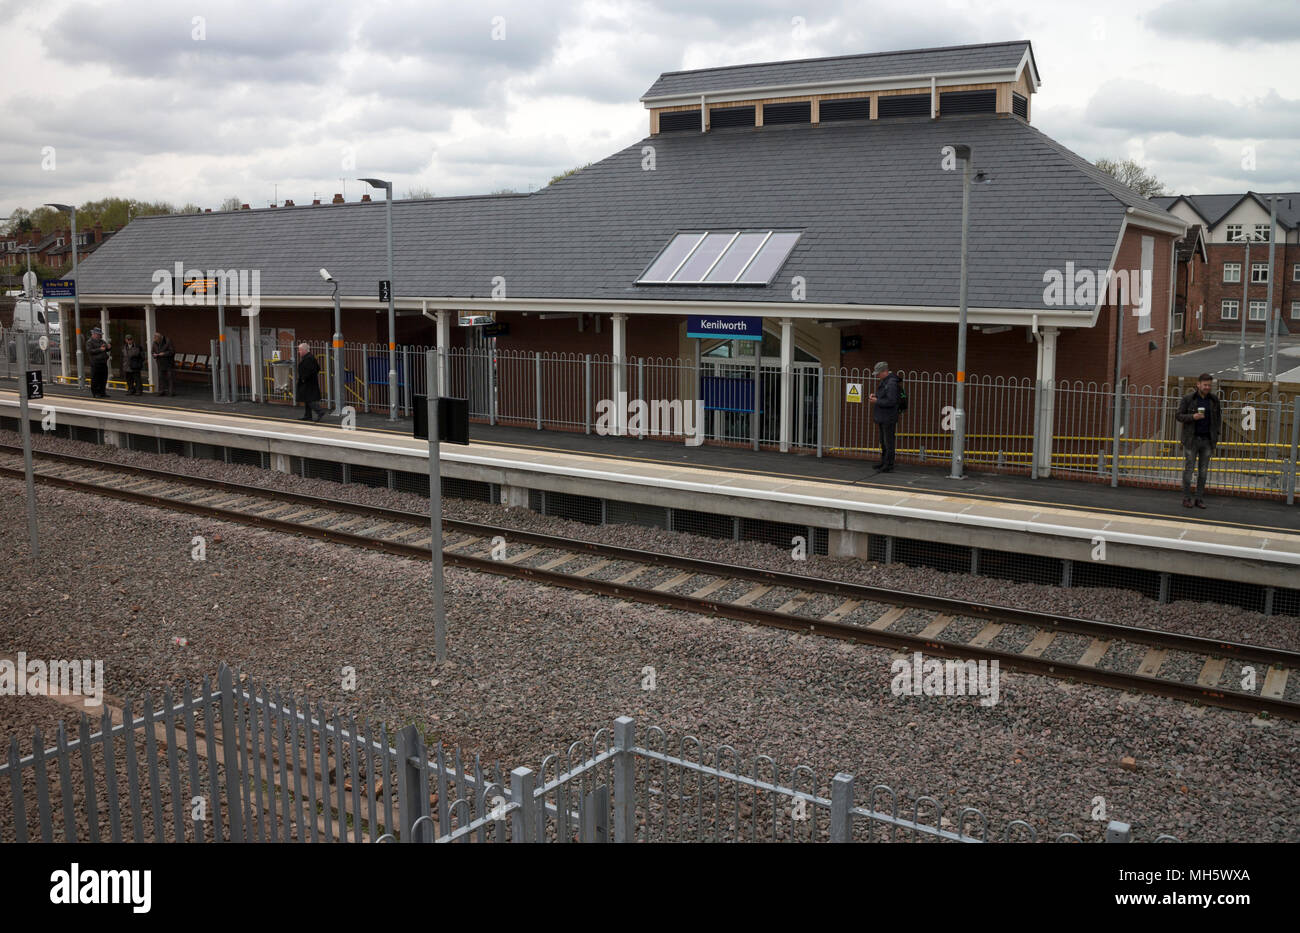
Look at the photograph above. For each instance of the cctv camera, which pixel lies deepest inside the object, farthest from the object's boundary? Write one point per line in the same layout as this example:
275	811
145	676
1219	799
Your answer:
325	274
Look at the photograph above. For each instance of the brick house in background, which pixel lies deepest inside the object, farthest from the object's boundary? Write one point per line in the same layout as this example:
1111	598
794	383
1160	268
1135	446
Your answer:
59	255
1192	269
52	250
1227	219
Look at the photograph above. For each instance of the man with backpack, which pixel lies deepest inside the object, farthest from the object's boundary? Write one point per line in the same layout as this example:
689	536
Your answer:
890	400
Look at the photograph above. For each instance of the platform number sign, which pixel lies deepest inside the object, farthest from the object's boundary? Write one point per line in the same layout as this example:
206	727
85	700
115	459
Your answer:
35	384
385	289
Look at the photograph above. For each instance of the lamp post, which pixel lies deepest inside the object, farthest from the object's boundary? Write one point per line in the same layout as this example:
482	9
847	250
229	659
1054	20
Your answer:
338	344
392	314
959	413
76	292
1245	304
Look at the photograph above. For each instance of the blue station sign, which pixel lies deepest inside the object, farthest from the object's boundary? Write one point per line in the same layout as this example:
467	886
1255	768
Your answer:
59	288
730	328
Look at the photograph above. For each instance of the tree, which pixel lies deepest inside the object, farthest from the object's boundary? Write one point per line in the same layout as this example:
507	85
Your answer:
1134	174
414	193
231	204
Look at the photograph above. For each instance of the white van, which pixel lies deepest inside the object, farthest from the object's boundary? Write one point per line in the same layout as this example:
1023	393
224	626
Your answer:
35	318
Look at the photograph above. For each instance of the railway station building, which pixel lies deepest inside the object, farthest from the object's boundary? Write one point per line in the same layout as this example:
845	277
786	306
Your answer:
812	209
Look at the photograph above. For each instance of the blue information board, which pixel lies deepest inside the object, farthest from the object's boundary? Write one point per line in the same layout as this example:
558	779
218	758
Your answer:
729	328
59	288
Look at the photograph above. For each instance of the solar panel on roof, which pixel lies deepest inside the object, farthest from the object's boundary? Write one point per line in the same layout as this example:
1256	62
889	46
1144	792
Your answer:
729	257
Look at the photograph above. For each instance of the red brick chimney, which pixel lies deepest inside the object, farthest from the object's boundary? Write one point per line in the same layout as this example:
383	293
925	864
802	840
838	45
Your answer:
315	202
338	199
288	203
365	198
207	210
244	207
98	233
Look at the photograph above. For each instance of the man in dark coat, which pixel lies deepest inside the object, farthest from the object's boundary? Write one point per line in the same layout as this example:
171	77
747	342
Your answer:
1200	416
97	352
885	414
165	354
307	391
132	365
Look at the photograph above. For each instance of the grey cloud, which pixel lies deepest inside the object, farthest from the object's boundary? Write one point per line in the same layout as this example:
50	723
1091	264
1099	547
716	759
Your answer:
1141	107
462	33
1228	23
275	42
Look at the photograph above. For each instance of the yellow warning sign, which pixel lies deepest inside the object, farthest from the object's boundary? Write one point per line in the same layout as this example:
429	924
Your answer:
854	392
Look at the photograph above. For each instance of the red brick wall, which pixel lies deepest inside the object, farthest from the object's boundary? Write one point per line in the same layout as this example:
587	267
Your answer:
1189	294
647	335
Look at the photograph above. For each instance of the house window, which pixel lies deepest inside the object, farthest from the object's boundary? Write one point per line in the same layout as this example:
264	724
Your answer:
1234	233
1259	272
1258	310
1262	232
1295	273
1148	268
1232	272
1295	310
1229	310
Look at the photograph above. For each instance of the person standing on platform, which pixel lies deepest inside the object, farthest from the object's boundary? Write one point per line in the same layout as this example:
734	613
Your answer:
97	349
132	365
307	391
1199	415
165	354
885	414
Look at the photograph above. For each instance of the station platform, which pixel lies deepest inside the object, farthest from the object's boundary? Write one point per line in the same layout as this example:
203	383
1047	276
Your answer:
1250	541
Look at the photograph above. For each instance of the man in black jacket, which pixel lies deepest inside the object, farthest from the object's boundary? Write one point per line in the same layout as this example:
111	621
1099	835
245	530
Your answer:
132	365
1199	414
307	391
165	355
885	414
97	352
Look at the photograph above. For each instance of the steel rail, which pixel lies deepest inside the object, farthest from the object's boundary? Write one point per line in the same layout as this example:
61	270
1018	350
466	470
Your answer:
1243	702
1094	628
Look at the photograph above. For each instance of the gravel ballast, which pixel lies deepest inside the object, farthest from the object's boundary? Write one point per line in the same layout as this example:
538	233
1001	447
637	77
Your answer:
535	668
1120	606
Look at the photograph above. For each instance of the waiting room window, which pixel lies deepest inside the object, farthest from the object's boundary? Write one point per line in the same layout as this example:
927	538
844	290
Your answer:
1234	233
1232	272
1259	272
1229	311
1258	310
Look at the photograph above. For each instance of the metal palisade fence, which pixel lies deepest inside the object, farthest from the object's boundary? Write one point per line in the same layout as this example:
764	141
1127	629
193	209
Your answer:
247	764
1129	436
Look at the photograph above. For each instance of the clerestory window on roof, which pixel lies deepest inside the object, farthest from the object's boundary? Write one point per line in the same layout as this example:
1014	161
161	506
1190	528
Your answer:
731	257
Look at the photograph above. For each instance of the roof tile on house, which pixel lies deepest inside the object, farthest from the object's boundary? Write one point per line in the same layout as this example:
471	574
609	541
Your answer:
880	219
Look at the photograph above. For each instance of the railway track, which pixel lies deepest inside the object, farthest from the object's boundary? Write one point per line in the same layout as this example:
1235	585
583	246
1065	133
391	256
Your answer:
1185	667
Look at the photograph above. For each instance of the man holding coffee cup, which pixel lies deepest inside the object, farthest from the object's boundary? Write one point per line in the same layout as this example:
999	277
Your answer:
1199	415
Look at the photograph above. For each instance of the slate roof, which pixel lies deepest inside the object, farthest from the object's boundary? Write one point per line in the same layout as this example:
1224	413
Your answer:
880	221
993	56
1214	207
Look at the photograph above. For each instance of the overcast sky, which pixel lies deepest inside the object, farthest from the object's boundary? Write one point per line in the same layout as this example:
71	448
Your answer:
197	102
